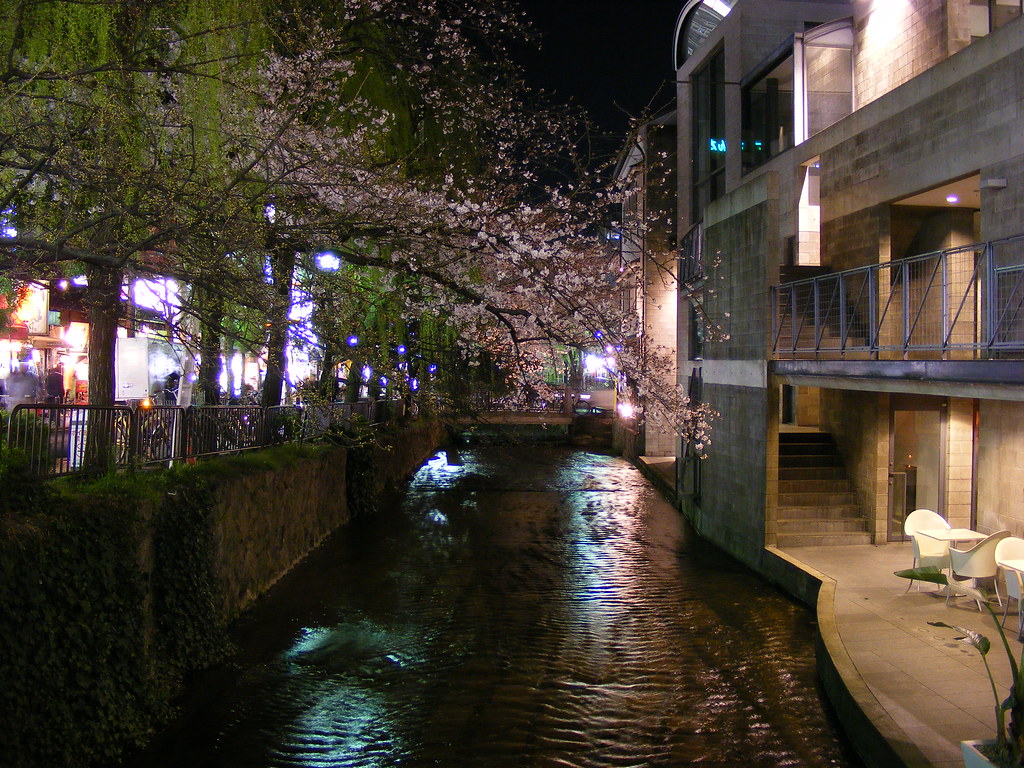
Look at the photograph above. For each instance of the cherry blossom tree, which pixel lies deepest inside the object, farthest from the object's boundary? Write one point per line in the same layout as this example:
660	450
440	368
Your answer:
227	149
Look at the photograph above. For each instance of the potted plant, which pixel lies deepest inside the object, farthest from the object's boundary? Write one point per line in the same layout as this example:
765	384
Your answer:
1007	749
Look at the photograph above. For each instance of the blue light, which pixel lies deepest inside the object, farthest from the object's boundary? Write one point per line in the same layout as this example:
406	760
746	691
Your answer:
328	261
383	381
432	368
716	145
353	340
414	384
598	335
401	349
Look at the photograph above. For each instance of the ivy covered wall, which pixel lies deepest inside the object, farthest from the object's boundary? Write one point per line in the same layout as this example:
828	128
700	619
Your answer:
113	591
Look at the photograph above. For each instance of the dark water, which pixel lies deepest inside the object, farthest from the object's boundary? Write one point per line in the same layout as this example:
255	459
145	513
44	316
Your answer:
534	606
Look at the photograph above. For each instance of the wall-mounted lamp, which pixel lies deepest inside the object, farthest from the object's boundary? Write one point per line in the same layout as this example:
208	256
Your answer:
993	183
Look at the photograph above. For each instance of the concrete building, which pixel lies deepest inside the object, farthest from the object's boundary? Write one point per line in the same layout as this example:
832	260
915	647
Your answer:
645	239
851	266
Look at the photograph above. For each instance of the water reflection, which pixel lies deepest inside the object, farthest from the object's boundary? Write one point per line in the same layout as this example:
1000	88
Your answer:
524	607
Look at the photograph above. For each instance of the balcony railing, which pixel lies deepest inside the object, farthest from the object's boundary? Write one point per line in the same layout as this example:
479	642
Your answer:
962	303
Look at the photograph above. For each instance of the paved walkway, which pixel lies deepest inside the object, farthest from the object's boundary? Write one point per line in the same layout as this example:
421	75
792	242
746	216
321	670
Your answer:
924	691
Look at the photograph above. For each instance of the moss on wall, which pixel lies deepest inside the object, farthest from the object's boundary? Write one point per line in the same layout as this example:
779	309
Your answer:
114	589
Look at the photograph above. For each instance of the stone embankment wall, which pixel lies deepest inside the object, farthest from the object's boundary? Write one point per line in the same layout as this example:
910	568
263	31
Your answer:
115	589
265	524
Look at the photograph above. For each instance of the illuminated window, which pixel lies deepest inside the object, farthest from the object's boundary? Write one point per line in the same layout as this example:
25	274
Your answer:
797	93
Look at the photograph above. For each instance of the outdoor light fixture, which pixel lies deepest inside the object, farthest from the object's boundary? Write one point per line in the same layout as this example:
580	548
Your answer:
952	199
328	261
626	410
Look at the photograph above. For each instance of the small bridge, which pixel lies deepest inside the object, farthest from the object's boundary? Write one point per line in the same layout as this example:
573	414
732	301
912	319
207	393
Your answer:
515	418
592	429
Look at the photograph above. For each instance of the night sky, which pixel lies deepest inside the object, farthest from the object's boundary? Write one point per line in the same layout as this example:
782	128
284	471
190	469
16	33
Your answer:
612	56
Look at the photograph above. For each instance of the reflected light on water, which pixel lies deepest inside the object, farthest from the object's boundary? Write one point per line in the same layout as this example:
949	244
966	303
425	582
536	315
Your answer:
528	606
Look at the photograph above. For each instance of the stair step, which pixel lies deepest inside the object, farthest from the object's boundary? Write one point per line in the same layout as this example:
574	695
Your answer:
833	498
813	460
800	474
836	525
831	511
786	438
815	485
805	446
792	540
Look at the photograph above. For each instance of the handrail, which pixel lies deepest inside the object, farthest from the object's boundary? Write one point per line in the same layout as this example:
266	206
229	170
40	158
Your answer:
905	308
68	439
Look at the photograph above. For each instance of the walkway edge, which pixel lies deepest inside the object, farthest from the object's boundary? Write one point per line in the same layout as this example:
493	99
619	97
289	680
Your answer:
874	734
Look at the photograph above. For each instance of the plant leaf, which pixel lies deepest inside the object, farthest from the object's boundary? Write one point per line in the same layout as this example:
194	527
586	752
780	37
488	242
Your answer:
930	573
968	637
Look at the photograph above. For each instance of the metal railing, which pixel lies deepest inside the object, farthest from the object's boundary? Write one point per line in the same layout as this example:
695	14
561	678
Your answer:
960	303
57	439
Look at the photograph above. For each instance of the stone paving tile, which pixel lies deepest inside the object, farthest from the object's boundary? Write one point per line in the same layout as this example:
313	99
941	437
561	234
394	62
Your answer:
933	687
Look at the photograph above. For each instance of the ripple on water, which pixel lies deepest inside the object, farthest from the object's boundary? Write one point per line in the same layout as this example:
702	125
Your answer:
529	606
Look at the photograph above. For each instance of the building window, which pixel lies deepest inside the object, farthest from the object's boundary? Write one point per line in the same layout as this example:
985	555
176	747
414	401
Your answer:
828	76
768	114
708	105
696	350
697	21
805	87
984	16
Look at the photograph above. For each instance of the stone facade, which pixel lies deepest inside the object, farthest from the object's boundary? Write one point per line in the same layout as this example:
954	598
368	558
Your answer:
731	513
936	101
266	523
1000	488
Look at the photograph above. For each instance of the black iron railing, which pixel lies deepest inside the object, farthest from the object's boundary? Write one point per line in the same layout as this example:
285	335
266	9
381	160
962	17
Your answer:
58	439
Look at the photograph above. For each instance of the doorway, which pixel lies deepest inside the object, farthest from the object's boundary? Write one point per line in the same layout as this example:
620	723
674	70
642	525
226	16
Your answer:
917	458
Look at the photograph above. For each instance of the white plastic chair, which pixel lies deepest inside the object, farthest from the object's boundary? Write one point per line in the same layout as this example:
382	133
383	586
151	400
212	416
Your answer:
978	562
927	551
1011	548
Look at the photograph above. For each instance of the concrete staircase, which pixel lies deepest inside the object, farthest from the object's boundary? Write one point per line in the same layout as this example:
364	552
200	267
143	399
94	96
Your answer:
817	506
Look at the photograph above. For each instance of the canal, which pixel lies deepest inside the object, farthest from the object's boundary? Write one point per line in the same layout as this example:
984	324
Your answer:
520	606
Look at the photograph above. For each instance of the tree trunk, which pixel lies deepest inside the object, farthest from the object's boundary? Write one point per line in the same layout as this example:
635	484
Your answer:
355	380
104	298
324	322
282	263
209	347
